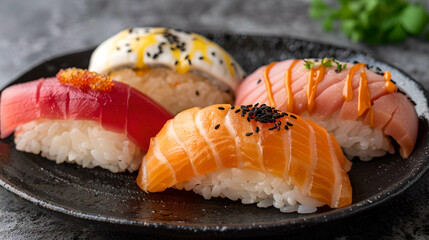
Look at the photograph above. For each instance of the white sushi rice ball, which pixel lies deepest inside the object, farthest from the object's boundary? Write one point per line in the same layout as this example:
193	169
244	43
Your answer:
251	187
82	142
356	138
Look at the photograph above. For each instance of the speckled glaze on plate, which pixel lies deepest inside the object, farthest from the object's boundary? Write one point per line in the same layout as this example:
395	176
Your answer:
103	198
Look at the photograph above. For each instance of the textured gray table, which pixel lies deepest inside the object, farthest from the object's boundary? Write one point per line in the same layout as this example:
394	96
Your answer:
31	31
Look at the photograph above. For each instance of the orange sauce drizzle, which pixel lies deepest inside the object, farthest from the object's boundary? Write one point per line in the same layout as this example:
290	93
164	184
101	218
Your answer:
390	87
348	90
314	78
288	86
268	84
364	99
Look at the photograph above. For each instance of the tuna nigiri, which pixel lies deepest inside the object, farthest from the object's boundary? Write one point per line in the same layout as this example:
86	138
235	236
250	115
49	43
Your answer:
253	153
360	106
81	117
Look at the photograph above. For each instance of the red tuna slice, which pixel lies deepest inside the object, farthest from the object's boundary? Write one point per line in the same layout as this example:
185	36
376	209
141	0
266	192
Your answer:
145	117
19	104
118	110
115	108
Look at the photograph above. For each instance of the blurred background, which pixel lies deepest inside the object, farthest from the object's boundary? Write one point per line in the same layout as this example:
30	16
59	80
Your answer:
32	31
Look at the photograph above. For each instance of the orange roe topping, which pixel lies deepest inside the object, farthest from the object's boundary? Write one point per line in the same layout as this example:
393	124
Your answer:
83	79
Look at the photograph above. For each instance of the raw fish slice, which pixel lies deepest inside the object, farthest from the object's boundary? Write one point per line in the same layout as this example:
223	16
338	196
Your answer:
296	150
122	109
329	98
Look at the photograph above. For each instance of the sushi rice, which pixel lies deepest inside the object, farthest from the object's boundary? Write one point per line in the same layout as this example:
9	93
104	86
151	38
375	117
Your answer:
356	138
82	142
251	186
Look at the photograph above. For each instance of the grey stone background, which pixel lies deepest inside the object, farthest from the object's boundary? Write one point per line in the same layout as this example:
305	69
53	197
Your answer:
31	31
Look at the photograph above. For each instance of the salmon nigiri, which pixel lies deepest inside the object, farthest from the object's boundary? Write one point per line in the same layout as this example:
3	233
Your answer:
361	106
81	117
253	153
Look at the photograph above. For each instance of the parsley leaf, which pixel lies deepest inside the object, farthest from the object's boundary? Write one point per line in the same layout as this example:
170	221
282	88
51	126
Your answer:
373	21
327	62
308	64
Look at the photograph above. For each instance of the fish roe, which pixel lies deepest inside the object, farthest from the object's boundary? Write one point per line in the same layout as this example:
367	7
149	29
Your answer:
84	79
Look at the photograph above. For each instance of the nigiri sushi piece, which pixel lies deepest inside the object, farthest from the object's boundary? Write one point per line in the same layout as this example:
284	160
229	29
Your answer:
177	69
81	117
360	106
253	153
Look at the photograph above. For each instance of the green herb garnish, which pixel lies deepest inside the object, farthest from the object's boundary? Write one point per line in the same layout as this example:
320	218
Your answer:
308	64
327	62
373	21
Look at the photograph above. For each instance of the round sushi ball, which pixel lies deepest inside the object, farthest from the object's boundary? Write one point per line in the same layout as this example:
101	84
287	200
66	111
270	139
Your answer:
174	91
177	69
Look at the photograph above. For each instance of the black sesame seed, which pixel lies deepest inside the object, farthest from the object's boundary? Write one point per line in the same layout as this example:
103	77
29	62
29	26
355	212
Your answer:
336	70
257	129
129	50
248	134
248	119
232	108
217	126
278	128
130	30
213	54
279	123
176	62
186	57
238	110
272	128
148	54
286	127
155	56
189	61
137	38
202	57
221	108
258	82
256	104
221	61
293	116
289	124
197	93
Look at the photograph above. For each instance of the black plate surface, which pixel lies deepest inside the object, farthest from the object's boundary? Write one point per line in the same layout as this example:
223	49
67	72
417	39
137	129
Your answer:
103	197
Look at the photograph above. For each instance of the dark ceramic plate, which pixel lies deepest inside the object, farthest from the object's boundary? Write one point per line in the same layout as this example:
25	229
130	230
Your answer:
114	199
